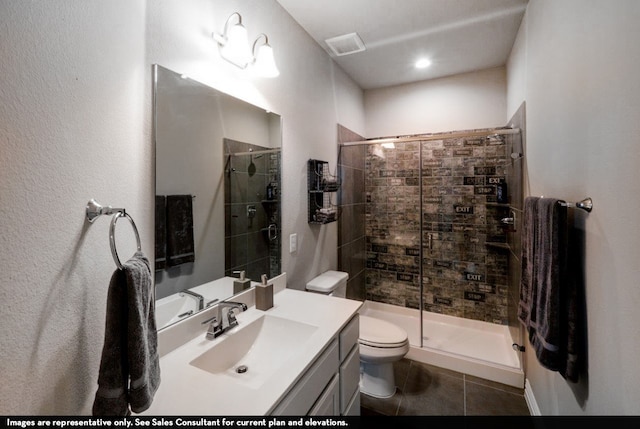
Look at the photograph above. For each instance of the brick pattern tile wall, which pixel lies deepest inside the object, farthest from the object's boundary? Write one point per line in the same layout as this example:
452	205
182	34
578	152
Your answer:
464	243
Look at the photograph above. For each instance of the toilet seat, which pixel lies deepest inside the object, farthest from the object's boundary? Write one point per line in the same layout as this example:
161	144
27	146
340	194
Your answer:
381	334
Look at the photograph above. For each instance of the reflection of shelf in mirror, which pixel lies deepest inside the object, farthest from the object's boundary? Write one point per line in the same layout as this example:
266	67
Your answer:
330	187
269	201
314	222
497	205
498	245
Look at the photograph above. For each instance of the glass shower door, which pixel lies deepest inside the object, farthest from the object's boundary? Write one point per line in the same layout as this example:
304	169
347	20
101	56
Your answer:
465	244
392	184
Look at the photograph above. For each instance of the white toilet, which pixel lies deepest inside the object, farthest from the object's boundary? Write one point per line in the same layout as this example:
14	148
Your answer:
381	343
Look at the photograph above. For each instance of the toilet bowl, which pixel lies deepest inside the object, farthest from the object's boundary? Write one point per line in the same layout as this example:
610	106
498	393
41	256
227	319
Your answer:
380	344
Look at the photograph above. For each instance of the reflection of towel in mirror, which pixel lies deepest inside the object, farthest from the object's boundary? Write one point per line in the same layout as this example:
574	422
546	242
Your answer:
180	244
547	306
161	233
129	368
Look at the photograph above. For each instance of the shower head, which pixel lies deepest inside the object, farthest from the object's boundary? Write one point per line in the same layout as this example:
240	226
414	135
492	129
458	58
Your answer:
495	138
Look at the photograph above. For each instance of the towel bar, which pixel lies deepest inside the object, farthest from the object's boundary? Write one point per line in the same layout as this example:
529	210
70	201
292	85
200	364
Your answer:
586	204
94	210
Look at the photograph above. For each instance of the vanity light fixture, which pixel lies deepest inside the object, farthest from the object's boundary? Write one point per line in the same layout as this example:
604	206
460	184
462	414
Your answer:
264	64
233	45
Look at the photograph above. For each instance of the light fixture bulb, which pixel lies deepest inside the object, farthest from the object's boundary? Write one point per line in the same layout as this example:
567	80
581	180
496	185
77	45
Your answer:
265	64
423	63
236	49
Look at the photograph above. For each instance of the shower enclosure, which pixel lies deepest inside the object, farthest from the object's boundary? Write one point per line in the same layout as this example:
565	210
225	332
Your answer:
439	245
252	210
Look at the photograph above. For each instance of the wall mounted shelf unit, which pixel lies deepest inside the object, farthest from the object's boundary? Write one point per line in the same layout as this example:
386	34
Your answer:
322	186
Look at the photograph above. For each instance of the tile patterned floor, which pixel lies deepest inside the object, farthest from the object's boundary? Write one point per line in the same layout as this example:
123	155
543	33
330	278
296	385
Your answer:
425	390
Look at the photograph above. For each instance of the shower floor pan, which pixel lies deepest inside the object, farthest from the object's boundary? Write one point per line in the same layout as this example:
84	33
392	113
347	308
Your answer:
471	347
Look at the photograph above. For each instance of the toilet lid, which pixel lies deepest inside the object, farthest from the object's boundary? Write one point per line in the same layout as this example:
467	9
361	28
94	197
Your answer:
380	333
327	282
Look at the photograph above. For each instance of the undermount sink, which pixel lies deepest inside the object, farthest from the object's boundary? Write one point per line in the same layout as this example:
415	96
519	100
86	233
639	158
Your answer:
174	308
252	353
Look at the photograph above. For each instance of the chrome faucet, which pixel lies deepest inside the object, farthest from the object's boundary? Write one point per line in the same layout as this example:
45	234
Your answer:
217	325
199	298
231	317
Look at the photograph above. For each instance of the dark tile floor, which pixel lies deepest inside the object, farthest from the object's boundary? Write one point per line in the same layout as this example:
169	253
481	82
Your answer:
425	390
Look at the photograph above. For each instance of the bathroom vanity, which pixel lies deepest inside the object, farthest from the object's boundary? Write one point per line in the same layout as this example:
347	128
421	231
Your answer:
300	357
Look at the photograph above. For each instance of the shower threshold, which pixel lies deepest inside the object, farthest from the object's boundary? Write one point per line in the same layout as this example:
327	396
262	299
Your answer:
471	347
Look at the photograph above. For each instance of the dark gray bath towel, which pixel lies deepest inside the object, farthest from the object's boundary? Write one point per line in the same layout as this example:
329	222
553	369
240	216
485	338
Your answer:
129	368
161	232
547	307
180	244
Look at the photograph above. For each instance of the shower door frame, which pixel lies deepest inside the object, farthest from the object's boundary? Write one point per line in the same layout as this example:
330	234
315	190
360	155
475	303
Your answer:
430	137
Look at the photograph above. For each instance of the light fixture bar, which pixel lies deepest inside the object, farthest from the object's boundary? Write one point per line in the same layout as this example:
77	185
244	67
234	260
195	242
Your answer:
233	46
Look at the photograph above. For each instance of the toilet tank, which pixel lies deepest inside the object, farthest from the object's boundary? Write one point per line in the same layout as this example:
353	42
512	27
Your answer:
330	282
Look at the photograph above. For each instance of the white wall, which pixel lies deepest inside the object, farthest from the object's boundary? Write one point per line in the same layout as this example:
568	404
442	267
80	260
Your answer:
576	64
460	102
75	124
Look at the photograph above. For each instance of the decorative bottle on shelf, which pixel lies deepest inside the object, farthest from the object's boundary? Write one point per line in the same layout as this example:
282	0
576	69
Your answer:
501	193
264	294
270	192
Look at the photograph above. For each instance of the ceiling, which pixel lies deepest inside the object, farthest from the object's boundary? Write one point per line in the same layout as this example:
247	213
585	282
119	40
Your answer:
458	36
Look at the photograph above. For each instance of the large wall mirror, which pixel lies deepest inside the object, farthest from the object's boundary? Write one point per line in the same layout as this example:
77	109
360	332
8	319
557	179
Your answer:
218	211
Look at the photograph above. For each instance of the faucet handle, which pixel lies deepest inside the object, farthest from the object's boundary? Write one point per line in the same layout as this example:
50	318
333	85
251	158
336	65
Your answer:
215	327
231	315
213	320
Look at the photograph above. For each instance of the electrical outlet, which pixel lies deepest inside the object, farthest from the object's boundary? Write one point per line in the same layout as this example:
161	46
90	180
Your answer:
293	243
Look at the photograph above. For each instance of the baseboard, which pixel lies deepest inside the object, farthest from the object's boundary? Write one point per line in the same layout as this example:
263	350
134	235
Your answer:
530	399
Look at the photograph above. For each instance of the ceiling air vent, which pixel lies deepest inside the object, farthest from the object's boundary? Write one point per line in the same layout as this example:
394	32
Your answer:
346	44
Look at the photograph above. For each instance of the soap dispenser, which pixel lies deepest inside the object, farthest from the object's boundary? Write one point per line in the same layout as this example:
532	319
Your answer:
264	294
242	283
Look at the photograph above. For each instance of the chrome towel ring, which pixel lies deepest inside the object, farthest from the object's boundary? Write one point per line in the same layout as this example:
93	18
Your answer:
95	210
112	238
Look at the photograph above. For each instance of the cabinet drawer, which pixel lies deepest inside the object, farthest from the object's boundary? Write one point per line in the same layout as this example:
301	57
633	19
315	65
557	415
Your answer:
349	337
304	394
349	377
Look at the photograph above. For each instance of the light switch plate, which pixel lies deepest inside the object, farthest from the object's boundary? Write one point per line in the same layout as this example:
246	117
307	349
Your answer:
293	243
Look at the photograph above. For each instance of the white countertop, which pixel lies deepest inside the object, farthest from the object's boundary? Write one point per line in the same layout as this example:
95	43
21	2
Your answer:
187	390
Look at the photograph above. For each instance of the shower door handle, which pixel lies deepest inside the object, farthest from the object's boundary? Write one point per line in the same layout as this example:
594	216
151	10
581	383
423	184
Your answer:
272	231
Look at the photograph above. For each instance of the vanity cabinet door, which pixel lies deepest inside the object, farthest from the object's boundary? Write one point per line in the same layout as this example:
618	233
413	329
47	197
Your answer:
353	408
329	402
349	378
349	337
305	393
350	367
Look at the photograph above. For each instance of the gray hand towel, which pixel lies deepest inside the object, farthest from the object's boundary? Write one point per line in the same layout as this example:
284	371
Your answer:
528	279
161	232
180	242
130	368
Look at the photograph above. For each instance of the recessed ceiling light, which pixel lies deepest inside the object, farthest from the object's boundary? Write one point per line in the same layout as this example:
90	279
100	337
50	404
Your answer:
423	63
